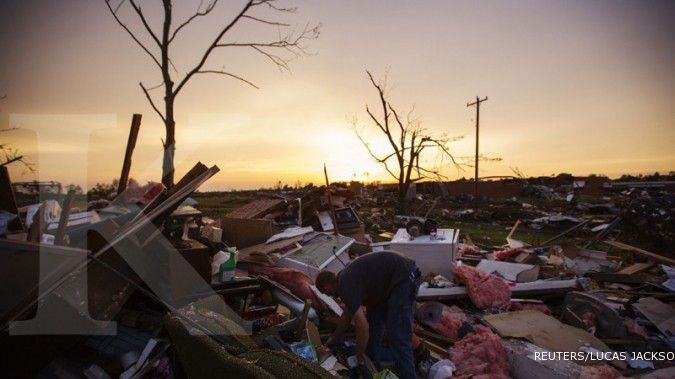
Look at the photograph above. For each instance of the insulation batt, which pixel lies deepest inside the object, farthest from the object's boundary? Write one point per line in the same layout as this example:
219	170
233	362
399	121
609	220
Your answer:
543	308
503	254
480	355
635	328
589	319
486	291
135	193
451	321
467	249
295	280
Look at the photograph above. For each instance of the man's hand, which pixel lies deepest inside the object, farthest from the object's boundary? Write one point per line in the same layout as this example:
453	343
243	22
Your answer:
363	371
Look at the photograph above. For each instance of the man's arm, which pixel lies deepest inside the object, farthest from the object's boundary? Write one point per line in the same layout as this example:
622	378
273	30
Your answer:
342	325
362	334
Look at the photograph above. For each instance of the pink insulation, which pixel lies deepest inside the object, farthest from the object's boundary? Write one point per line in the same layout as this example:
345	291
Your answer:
480	355
635	328
467	249
503	254
485	290
543	308
135	193
295	280
589	319
97	204
452	319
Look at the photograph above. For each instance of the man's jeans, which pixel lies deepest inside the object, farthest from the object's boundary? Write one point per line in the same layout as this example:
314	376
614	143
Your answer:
396	316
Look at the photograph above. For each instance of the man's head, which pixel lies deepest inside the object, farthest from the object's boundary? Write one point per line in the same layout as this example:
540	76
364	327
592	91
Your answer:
327	283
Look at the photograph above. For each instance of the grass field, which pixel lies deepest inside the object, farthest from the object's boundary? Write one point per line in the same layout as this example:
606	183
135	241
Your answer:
215	206
490	234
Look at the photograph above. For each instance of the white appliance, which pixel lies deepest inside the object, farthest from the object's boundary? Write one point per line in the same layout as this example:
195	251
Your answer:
430	254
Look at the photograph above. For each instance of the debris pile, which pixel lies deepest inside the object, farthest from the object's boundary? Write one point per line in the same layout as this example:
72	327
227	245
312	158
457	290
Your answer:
578	272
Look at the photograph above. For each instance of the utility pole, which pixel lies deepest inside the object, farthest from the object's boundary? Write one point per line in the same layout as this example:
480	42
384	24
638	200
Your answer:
477	104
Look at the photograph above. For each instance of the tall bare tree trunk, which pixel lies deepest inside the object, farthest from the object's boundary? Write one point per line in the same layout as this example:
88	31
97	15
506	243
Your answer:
169	151
403	198
169	98
168	168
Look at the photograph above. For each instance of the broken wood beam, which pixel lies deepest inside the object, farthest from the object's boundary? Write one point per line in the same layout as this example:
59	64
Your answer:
603	233
63	220
564	233
513	229
656	257
621	278
435	348
131	144
435	337
636	268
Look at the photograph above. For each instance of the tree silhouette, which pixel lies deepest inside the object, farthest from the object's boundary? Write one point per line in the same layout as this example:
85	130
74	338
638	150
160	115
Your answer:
9	154
407	140
287	45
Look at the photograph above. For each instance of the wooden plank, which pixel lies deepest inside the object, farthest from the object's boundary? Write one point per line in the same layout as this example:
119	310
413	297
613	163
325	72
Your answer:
620	278
564	233
256	208
242	232
513	229
636	268
435	348
131	144
437	338
63	221
656	257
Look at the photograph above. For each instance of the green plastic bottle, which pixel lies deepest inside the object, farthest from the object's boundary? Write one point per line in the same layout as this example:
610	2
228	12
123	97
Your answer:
226	269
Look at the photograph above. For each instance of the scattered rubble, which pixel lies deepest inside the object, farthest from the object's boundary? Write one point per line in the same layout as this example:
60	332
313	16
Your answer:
565	267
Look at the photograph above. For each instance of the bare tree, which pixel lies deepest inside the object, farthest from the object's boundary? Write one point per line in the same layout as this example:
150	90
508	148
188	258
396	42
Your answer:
407	140
287	45
9	154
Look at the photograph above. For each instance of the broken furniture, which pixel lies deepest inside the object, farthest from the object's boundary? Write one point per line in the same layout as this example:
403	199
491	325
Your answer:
318	251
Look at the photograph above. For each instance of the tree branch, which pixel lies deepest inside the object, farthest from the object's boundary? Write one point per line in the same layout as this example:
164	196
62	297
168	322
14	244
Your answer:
287	43
382	161
199	13
152	103
265	21
12	155
131	34
137	8
270	4
213	45
408	146
222	72
11	160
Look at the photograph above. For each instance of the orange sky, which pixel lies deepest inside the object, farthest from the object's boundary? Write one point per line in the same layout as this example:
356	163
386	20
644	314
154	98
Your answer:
573	86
